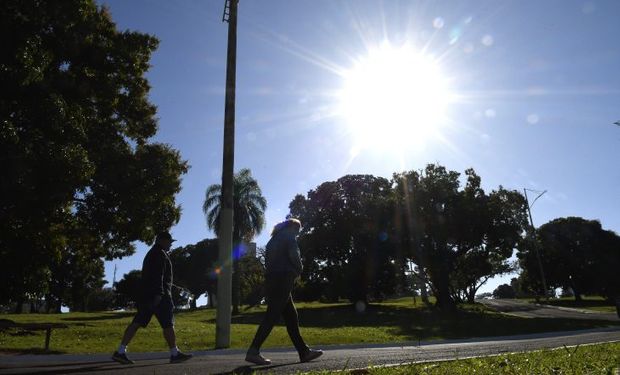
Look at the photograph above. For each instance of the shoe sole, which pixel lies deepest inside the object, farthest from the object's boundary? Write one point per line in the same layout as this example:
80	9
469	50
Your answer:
122	361
259	363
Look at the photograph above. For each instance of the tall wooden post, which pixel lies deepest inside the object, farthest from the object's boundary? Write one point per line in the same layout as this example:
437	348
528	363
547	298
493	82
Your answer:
224	284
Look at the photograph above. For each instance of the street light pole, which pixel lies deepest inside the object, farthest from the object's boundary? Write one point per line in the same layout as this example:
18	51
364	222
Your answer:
224	282
535	241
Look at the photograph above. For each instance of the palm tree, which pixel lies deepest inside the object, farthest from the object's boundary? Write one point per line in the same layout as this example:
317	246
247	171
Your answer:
248	219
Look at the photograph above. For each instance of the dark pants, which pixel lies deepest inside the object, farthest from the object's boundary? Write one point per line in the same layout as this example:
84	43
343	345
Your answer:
278	287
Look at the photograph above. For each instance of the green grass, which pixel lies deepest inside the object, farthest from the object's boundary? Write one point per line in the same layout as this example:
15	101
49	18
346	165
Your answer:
321	324
594	303
588	359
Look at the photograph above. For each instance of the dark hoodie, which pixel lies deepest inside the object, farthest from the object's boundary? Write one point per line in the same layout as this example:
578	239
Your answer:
282	254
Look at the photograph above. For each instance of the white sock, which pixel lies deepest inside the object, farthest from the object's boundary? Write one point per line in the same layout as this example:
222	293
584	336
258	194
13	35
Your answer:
122	349
174	351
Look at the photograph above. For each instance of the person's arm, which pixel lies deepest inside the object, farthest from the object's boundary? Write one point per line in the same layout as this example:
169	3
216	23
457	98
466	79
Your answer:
295	255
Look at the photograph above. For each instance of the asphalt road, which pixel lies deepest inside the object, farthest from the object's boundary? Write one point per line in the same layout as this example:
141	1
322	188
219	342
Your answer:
531	310
335	357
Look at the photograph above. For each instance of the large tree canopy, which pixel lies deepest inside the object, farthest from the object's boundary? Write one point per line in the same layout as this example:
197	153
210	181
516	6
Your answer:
360	231
575	253
79	171
194	268
460	236
344	241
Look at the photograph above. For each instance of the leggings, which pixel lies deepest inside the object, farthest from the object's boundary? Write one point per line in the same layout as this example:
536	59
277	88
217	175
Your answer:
279	303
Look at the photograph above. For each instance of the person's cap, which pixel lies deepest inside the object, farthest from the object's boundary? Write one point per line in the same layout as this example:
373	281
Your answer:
164	236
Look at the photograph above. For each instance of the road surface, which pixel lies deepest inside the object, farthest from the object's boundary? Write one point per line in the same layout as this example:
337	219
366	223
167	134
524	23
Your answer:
530	310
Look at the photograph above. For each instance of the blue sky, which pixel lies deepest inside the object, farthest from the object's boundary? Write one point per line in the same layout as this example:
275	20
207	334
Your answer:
531	92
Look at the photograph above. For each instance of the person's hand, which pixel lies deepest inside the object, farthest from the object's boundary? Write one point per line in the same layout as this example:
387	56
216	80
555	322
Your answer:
155	301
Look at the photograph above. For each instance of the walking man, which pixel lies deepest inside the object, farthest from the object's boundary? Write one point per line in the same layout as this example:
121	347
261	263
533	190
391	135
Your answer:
155	299
283	266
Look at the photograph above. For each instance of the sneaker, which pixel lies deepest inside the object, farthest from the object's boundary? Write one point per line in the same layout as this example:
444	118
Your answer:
122	358
310	355
180	357
257	359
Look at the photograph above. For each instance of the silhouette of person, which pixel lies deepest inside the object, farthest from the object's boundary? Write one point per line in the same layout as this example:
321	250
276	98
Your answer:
155	299
282	267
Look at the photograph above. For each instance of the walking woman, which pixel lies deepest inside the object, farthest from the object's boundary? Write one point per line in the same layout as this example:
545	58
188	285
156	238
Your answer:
282	268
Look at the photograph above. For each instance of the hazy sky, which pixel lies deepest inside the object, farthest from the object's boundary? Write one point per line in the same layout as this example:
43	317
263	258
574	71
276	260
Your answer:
525	92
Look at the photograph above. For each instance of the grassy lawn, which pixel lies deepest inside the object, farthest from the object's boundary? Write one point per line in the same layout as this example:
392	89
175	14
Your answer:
594	303
322	324
587	359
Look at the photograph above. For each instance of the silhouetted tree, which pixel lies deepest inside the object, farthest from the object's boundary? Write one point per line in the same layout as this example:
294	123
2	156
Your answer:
79	170
460	237
504	291
578	254
194	268
346	248
128	288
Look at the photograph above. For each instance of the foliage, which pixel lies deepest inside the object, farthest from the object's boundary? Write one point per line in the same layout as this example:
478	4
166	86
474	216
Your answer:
100	300
252	279
504	291
128	289
248	220
576	253
460	237
345	244
80	178
360	232
194	268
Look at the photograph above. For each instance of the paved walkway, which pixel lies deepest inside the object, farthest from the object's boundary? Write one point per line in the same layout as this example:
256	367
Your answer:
285	361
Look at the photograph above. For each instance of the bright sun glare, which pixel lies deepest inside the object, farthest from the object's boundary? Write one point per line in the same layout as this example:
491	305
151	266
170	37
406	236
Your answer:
394	97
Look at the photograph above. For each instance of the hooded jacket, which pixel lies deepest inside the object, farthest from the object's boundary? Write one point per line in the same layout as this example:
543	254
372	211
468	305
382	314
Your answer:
282	254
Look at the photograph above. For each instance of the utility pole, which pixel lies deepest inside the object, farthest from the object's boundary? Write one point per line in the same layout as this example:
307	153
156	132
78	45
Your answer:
114	278
535	241
224	281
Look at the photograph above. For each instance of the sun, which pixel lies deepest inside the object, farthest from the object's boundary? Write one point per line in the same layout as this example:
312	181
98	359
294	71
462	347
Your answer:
394	97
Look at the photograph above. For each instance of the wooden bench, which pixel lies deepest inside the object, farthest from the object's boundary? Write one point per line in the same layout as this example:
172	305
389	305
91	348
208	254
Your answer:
47	327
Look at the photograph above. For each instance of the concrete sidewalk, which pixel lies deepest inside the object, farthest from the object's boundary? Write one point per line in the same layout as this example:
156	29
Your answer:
285	360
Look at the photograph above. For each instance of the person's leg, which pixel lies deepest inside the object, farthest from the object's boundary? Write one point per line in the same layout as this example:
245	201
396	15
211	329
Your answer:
291	318
292	327
165	315
141	319
277	288
170	337
130	332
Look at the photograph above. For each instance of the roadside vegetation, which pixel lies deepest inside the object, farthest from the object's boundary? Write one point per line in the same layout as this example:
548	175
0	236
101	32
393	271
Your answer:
396	320
588	359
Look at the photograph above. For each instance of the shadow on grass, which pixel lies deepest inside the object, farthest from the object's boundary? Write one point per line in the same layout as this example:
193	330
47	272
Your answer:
119	315
428	323
22	351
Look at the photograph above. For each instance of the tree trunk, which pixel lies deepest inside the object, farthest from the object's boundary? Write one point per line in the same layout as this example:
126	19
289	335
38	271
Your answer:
423	282
441	281
19	306
471	295
577	294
